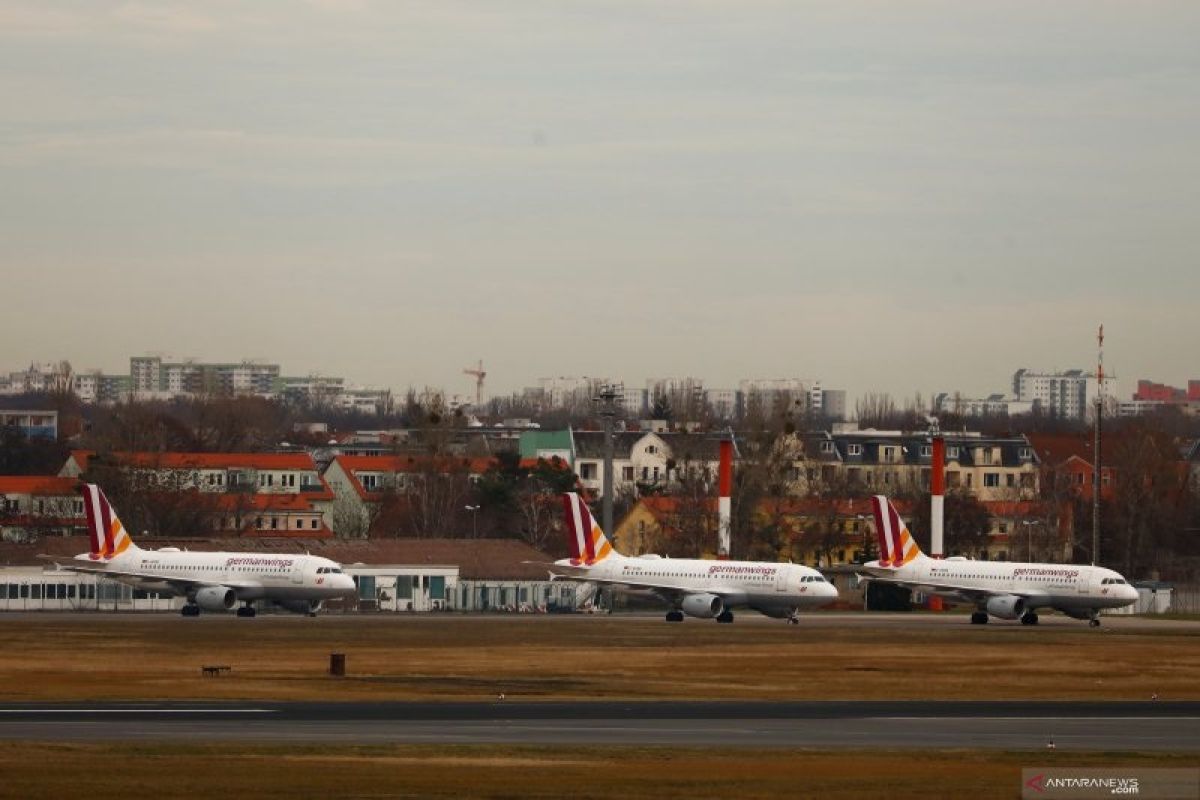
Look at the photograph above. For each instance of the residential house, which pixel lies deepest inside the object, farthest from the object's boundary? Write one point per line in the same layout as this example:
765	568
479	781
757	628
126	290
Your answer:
40	505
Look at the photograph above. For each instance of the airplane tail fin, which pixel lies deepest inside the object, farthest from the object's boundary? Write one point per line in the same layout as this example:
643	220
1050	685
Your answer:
589	545
897	546
108	536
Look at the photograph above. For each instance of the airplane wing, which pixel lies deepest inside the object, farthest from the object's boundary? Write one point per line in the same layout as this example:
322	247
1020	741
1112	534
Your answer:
970	593
668	591
175	580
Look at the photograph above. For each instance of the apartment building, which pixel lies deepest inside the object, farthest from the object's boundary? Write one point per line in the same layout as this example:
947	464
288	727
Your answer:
260	492
39	505
152	376
1070	394
899	462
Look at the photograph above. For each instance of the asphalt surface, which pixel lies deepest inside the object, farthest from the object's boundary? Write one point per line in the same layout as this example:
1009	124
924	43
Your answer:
813	620
1160	726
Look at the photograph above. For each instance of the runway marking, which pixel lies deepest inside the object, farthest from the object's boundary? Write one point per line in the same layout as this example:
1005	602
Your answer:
1028	719
137	711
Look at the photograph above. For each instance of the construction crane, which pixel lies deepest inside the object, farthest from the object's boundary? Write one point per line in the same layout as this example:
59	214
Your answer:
479	374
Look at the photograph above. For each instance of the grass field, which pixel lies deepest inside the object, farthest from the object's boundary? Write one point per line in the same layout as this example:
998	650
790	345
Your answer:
35	770
77	657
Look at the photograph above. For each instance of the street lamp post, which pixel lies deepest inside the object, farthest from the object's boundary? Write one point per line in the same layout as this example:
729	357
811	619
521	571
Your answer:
474	520
1029	523
608	410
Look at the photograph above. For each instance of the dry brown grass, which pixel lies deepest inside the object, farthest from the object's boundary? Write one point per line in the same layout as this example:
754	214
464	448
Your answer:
285	658
34	770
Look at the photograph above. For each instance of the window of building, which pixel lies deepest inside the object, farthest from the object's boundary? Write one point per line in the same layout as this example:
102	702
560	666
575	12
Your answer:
369	481
1010	480
826	447
314	524
627	473
854	449
927	450
952	451
1026	453
651	449
437	587
1002	527
587	472
889	454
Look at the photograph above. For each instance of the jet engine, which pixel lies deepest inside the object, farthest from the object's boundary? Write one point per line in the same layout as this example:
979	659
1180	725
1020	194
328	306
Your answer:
300	606
216	598
704	606
1006	606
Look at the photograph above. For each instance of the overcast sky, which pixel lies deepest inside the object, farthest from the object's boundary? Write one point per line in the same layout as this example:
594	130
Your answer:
896	196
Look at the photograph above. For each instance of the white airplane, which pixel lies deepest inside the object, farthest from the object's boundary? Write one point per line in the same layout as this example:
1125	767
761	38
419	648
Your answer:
211	581
701	588
1004	589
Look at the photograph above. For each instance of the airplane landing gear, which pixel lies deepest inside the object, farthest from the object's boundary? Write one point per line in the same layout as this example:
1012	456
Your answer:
725	616
674	616
1029	618
246	611
1095	620
190	610
793	618
979	618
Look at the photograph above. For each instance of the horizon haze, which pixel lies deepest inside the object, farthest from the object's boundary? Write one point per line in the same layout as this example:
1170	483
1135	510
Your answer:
903	198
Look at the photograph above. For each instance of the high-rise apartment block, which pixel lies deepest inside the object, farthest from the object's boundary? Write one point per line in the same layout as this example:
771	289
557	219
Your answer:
1070	394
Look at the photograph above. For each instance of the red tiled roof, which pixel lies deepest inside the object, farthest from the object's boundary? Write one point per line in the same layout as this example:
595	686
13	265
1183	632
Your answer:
257	502
302	461
1058	448
403	463
38	485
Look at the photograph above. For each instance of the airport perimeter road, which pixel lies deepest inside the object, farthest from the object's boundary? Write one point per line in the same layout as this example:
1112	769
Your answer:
1124	726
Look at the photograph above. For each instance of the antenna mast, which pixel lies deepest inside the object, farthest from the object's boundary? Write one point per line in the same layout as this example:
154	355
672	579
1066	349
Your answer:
1096	474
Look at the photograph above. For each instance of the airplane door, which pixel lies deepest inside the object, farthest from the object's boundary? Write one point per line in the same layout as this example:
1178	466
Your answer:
297	576
781	576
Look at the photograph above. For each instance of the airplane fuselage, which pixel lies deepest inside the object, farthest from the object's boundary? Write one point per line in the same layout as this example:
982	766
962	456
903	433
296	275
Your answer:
1071	588
252	576
774	589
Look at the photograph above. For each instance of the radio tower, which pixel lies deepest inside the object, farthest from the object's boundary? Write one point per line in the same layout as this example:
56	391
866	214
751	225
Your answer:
1096	474
479	376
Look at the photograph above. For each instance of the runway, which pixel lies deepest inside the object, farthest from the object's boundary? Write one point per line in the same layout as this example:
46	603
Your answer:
1122	623
1126	726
